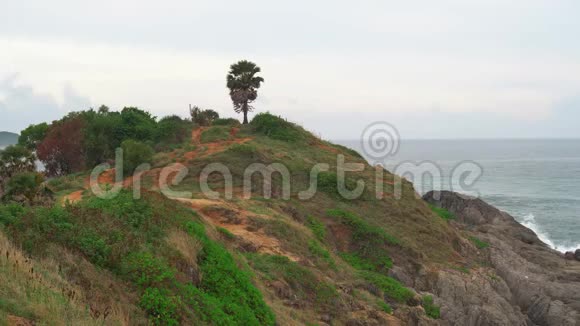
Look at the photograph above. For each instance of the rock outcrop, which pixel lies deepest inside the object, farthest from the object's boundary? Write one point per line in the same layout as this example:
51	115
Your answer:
528	283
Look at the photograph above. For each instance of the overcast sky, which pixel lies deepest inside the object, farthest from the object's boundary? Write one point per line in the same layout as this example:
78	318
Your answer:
434	69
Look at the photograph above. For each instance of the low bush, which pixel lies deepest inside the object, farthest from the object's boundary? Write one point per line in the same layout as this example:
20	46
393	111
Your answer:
135	153
226	122
277	128
146	270
161	306
217	133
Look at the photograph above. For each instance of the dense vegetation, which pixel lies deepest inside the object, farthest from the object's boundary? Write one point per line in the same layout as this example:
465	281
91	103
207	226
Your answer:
222	262
130	238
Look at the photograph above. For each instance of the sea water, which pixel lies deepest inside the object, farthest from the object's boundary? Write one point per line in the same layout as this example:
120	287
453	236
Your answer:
536	181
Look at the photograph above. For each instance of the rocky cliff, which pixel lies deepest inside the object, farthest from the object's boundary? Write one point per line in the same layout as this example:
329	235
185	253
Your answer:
522	282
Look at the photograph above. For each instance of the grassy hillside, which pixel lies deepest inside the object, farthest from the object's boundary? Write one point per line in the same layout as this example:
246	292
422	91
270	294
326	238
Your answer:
239	261
8	138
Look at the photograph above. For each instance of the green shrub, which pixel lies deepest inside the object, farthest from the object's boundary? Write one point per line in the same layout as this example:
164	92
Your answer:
146	270
276	128
173	130
10	213
431	309
217	133
94	247
442	213
228	284
135	153
25	184
480	244
226	122
160	305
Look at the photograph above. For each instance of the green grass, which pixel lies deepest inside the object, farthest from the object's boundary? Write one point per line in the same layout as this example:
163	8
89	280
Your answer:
479	244
442	213
226	233
230	285
390	287
214	134
305	285
277	128
385	307
328	183
362	229
369	249
431	309
319	251
461	269
318	228
128	237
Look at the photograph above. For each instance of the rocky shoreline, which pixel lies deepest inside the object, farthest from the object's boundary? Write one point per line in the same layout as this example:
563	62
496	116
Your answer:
525	282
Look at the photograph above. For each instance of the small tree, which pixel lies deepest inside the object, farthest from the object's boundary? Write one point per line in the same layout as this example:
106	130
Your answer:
14	160
202	117
243	85
134	154
173	130
25	184
33	135
62	150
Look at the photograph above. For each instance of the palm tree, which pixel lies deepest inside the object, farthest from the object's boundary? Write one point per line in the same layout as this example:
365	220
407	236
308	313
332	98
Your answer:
243	84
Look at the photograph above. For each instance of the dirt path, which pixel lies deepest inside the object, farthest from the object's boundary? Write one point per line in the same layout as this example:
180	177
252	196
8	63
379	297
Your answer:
237	222
196	135
241	227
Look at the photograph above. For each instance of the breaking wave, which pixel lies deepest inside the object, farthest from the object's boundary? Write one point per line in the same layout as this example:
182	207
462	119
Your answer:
529	221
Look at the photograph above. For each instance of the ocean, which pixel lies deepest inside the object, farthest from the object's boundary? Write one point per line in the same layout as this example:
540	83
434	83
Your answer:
536	181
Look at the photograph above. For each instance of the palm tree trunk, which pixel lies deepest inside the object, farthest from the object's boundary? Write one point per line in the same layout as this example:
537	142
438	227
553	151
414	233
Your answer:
245	109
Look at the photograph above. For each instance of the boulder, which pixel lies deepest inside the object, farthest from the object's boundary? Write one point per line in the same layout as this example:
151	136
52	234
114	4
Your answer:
569	255
577	254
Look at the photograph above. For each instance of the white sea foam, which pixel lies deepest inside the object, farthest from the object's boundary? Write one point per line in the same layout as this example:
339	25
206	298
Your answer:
529	221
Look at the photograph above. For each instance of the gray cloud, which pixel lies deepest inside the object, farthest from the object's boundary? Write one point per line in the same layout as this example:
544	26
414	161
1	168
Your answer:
21	105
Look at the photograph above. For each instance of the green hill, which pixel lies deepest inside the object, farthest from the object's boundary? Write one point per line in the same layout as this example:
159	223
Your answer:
8	138
246	260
